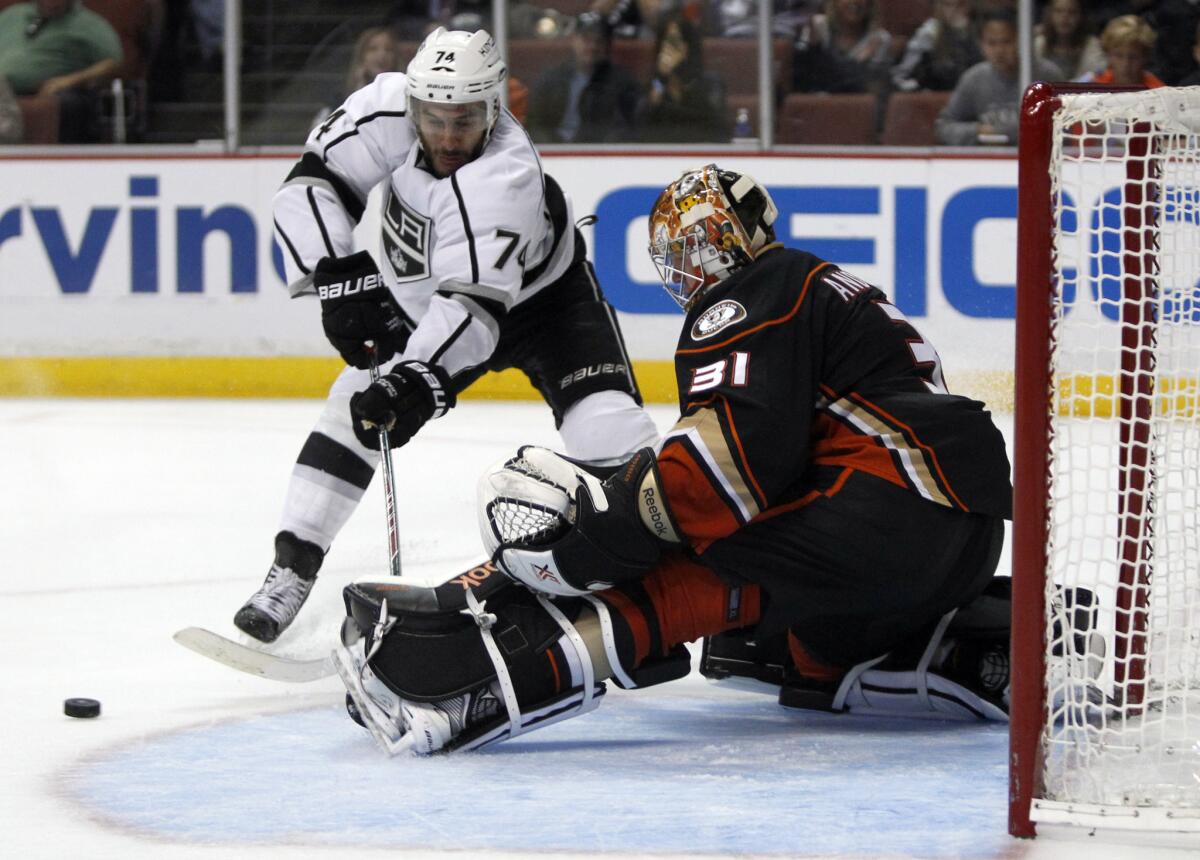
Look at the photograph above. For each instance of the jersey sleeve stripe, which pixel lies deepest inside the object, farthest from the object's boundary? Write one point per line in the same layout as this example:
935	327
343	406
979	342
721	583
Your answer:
316	210
914	462
701	432
777	321
910	462
311	170
746	470
495	297
449	342
935	473
358	123
292	250
462	208
702	510
808	498
487	314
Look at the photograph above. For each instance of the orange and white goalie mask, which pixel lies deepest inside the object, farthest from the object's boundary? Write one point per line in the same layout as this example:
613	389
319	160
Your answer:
705	225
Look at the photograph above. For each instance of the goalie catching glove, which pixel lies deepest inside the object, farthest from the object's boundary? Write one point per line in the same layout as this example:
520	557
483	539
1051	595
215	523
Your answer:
556	528
358	309
401	402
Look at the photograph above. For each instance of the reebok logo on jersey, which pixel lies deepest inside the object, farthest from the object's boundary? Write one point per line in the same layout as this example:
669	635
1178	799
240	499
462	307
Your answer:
349	288
721	315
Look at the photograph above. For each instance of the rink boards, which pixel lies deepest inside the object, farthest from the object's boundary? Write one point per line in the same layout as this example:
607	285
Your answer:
159	274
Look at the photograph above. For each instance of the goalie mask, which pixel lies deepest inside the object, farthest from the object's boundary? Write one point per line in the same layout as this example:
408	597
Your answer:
704	226
461	69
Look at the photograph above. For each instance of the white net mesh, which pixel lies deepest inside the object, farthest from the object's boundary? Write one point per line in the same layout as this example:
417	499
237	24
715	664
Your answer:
1124	492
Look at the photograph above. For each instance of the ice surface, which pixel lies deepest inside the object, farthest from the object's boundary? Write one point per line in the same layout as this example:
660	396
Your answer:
123	521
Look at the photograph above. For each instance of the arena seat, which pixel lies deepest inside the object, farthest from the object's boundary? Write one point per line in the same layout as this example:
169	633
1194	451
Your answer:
137	22
844	119
529	58
736	60
40	115
902	17
636	56
910	118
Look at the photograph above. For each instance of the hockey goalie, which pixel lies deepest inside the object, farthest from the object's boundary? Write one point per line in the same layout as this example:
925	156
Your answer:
824	514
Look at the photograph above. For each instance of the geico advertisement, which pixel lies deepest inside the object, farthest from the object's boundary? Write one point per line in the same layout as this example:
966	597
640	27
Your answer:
168	255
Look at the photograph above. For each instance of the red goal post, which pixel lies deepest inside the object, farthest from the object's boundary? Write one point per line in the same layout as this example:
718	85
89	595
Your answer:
1105	711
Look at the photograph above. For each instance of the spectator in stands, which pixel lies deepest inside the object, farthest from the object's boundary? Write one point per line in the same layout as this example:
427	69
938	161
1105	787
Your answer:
983	108
12	124
739	18
208	23
1128	44
48	47
843	50
1063	39
1174	21
1193	79
631	19
684	103
940	50
587	99
375	51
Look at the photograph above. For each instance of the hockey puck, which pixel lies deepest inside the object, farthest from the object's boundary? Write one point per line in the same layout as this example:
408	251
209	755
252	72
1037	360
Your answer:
83	708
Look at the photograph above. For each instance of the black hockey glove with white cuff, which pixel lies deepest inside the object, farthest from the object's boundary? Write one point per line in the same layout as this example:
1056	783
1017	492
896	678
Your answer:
558	529
401	401
357	307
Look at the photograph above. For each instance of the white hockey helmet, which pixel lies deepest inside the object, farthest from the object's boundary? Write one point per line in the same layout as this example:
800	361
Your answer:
705	225
457	67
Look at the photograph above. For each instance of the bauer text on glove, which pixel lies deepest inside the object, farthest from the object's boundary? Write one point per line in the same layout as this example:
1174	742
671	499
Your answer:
357	308
401	402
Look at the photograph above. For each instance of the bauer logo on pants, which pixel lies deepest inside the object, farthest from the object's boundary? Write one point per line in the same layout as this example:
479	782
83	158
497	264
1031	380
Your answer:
405	241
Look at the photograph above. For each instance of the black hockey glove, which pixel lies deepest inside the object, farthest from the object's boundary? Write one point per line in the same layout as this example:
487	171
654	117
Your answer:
356	307
402	401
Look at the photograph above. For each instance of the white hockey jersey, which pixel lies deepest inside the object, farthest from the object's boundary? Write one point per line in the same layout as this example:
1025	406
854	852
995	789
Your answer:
458	253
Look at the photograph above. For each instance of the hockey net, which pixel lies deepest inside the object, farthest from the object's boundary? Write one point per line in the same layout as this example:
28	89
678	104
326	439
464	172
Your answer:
1106	546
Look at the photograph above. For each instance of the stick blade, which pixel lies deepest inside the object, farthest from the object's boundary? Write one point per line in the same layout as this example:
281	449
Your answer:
250	660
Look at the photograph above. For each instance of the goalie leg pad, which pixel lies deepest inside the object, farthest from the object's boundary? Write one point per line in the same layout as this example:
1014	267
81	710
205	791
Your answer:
956	671
454	671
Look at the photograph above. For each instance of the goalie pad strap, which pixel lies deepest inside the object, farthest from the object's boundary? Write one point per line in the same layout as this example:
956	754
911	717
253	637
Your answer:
484	621
579	648
877	691
609	637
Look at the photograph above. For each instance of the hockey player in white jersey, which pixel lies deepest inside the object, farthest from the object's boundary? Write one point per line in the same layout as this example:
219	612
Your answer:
480	268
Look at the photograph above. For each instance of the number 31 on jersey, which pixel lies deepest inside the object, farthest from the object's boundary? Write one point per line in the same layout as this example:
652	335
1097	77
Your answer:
735	368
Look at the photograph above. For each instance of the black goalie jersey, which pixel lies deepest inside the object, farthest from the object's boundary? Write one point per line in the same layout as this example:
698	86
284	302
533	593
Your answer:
792	372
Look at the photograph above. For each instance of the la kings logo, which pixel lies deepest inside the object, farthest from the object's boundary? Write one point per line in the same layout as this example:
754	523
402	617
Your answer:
405	240
721	315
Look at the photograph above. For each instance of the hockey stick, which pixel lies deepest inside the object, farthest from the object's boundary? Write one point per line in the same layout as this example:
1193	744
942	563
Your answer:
251	660
389	481
276	668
